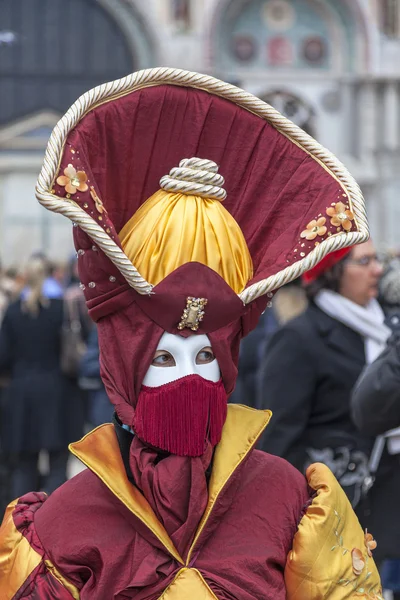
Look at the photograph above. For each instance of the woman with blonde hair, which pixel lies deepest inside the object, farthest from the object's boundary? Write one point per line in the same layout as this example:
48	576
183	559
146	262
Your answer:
40	402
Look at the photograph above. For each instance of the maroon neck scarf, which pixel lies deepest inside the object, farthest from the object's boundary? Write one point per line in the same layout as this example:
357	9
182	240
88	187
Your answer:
175	487
185	419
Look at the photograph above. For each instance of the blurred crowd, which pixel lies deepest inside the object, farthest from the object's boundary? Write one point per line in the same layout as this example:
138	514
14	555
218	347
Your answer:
50	386
325	359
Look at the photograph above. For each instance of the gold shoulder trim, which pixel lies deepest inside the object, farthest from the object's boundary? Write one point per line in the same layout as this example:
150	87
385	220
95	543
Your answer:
18	559
99	451
243	427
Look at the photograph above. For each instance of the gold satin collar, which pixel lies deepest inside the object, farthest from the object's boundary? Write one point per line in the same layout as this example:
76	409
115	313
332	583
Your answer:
99	451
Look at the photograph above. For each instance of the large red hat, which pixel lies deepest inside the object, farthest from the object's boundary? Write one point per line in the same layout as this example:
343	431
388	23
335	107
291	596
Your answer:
292	199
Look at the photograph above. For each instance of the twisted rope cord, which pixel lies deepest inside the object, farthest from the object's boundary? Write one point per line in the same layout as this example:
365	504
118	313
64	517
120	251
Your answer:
294	271
164	76
200	164
195	176
102	240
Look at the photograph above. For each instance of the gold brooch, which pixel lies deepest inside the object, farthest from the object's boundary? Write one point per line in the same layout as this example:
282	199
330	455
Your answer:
193	313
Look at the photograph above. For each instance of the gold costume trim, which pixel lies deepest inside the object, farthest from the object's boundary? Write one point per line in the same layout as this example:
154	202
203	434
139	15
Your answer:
152	238
17	558
99	451
57	575
188	584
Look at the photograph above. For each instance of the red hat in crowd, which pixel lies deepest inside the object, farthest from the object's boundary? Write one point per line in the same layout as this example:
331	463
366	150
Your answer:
325	265
148	261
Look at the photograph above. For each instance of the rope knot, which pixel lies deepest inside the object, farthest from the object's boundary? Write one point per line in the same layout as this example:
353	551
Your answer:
195	177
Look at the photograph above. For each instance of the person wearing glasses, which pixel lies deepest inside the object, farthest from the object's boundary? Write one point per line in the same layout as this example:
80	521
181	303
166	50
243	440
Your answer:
324	350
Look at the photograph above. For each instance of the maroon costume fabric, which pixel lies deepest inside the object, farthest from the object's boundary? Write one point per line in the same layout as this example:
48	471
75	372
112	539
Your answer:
103	549
176	489
40	585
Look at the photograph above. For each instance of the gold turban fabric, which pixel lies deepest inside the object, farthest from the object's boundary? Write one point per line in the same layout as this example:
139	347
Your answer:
171	229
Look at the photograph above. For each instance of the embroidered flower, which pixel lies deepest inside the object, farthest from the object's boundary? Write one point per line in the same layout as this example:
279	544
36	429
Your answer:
340	216
358	561
370	543
73	180
314	228
99	205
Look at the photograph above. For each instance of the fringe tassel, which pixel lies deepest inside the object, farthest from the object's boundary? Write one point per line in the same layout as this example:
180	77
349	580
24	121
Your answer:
181	416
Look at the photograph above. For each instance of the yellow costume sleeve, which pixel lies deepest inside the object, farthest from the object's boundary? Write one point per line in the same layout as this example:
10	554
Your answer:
331	557
24	571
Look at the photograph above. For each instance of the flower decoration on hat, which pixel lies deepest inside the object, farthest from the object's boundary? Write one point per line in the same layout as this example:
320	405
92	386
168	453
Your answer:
314	228
73	180
341	216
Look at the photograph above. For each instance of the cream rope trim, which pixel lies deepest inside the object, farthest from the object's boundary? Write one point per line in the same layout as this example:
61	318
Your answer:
162	76
79	217
197	177
336	242
191	188
201	164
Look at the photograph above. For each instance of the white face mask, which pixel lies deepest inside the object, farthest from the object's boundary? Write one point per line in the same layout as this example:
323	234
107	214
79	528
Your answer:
177	357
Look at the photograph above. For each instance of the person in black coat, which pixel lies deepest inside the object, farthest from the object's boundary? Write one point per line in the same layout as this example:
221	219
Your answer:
375	407
289	302
42	408
375	400
311	364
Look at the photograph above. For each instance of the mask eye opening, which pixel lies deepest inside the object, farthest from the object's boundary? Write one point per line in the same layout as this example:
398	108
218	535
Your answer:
205	356
163	358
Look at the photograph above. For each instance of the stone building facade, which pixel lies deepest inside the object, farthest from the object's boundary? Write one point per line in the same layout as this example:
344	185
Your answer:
332	66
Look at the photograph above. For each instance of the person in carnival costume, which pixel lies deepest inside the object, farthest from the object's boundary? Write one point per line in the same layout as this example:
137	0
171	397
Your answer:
175	502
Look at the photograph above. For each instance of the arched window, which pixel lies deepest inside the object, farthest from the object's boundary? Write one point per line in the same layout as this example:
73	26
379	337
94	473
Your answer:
51	51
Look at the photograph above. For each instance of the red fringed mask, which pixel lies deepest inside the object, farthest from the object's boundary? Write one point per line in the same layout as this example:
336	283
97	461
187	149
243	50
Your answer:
182	416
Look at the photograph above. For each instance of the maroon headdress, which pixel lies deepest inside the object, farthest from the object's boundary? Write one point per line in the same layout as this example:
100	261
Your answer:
293	200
